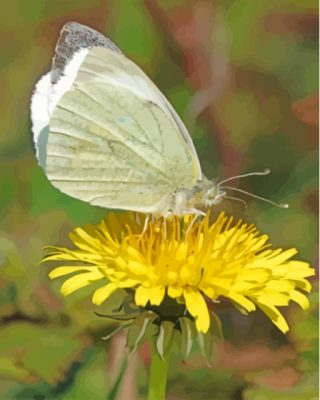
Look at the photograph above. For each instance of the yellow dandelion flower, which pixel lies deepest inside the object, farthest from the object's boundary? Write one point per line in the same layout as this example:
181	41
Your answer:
194	264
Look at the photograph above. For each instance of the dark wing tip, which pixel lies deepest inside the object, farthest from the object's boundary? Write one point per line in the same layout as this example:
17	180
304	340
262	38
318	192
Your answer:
74	37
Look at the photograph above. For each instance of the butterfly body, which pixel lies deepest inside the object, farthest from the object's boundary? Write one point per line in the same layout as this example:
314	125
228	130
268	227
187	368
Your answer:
183	201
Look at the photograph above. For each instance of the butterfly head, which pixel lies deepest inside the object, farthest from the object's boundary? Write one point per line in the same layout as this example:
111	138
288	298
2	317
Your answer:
213	195
204	195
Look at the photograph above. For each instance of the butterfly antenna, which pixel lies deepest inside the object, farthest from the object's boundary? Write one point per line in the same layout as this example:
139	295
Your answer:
263	173
280	205
245	204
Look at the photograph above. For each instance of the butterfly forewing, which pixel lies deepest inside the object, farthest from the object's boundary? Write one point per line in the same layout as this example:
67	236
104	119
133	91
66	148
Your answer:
114	140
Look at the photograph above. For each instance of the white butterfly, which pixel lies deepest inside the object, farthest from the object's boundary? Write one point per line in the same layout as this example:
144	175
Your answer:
106	135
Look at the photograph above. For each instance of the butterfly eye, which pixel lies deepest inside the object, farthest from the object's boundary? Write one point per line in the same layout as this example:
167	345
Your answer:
211	193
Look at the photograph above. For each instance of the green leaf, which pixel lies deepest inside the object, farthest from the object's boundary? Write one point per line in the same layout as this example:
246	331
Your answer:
187	336
305	389
138	330
164	338
90	381
10	369
28	345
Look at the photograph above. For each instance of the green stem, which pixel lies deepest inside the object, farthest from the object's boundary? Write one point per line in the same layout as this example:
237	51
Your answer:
157	377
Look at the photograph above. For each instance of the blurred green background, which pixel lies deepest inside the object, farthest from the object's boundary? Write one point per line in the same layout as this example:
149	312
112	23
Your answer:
243	76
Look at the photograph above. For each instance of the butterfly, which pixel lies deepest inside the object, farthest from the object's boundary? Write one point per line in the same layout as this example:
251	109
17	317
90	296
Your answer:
105	134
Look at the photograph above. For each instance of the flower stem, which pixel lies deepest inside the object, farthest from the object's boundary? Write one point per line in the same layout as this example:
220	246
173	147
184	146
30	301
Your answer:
157	377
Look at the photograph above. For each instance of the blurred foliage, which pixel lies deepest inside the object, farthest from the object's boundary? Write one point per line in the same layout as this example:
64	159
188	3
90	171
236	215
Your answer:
243	76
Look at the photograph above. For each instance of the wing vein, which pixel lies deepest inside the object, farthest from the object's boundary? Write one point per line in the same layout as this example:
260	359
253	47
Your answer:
85	117
63	133
95	180
81	89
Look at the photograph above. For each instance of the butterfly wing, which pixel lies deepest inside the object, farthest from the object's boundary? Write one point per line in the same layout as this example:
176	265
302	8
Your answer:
75	37
113	139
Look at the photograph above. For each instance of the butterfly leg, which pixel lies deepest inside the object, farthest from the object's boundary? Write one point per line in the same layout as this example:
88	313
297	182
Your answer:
165	223
146	221
137	218
197	213
165	227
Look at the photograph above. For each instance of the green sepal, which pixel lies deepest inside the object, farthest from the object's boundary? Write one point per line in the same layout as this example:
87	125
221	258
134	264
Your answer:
216	326
140	330
207	341
114	302
116	330
118	316
164	338
130	308
118	307
206	344
126	299
187	336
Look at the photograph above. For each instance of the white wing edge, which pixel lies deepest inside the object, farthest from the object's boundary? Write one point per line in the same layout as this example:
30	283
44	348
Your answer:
46	95
65	82
39	107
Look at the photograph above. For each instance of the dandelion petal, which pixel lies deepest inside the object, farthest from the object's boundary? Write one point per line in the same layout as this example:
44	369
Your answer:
174	292
61	271
157	295
142	296
300	299
197	307
276	317
79	281
101	294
